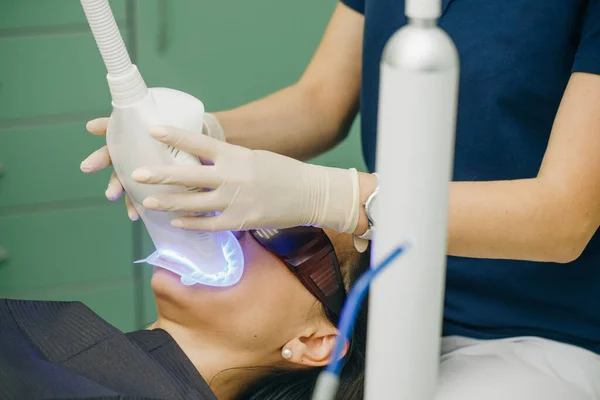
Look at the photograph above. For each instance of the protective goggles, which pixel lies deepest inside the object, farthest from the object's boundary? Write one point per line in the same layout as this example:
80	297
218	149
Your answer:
309	254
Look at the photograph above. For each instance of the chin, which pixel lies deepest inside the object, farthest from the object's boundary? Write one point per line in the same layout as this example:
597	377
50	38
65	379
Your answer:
162	277
167	286
190	305
169	292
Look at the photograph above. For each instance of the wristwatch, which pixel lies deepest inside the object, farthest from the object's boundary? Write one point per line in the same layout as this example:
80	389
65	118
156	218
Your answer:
362	242
370	207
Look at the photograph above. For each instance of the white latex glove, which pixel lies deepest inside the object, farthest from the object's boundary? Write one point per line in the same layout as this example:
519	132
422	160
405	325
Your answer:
251	188
100	159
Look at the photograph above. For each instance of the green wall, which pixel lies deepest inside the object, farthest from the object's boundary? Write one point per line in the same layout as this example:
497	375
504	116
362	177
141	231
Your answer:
59	237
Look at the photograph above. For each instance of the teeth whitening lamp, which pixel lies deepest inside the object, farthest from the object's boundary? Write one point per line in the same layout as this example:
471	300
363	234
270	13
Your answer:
213	259
418	96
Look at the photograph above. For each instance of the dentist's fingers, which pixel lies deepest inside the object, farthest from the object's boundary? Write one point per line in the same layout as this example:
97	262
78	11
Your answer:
96	161
114	189
97	126
131	211
194	176
203	202
190	142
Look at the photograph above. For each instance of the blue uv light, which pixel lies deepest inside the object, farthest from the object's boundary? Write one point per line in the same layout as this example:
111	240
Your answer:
192	274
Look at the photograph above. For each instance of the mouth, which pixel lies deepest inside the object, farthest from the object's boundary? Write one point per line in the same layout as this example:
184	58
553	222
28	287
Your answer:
191	273
173	279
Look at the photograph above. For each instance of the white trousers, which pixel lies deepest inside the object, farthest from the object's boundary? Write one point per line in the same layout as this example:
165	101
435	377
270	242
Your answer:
524	368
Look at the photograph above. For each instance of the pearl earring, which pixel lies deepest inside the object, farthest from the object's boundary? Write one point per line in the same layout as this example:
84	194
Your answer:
286	353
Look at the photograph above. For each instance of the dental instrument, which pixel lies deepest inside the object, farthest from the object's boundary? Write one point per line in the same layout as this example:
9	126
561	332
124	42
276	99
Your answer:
213	259
328	381
415	153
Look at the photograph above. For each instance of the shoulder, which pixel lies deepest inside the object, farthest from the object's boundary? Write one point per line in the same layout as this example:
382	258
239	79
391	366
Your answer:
41	311
57	329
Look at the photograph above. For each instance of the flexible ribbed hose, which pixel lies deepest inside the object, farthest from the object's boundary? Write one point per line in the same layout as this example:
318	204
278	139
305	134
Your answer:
107	35
124	80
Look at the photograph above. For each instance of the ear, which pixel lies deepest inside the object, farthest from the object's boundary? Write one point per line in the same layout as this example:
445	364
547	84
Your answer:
314	349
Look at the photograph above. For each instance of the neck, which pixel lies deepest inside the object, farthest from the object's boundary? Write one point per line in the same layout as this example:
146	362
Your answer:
220	364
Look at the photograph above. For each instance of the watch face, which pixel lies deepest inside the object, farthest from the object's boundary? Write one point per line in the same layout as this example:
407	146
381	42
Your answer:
371	209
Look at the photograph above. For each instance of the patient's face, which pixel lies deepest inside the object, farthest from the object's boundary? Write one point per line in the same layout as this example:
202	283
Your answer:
268	307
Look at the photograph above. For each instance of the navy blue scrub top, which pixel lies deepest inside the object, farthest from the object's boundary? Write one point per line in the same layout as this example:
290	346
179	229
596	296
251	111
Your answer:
516	59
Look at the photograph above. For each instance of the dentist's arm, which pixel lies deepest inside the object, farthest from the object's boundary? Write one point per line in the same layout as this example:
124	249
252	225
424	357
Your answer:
550	217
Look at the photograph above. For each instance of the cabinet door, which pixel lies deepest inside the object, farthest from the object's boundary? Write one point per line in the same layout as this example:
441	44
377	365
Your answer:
66	248
42	14
41	165
50	76
228	54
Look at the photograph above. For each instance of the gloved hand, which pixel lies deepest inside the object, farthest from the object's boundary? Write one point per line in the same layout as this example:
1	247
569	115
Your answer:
100	159
251	188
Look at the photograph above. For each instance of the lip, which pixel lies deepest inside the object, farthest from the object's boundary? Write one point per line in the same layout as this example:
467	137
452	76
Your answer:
165	272
174	280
